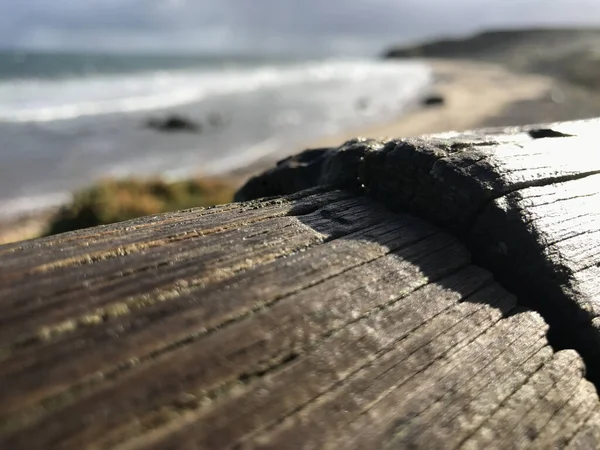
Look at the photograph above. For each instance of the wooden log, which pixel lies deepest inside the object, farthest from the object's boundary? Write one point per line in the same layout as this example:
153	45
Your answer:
317	320
523	200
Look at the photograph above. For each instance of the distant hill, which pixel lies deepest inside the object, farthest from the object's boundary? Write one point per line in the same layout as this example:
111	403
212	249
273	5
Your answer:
571	54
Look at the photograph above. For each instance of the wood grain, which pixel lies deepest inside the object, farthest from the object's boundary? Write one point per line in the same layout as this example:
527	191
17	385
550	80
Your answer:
523	200
316	320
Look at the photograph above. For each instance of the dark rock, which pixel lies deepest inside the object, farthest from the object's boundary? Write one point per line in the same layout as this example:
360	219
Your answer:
539	133
433	100
173	123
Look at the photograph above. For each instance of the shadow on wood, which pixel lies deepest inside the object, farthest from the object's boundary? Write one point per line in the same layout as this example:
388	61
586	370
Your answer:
524	205
317	320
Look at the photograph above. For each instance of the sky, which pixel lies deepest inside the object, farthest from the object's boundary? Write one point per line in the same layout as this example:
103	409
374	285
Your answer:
335	26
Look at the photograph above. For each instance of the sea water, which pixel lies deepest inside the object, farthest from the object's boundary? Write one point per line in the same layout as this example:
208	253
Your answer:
67	120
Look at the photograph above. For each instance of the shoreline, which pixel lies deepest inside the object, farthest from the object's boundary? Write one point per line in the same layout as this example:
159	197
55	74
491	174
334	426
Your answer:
475	94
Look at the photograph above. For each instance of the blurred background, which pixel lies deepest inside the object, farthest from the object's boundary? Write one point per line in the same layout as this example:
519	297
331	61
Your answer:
262	26
215	90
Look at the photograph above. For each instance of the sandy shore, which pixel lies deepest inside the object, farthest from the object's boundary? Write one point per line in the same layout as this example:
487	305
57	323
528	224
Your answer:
475	94
25	226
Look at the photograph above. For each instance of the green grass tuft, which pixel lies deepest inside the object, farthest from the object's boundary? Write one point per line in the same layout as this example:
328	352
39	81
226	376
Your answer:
111	201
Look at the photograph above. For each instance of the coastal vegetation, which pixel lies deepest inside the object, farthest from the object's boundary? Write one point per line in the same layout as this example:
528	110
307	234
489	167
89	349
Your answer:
113	200
572	55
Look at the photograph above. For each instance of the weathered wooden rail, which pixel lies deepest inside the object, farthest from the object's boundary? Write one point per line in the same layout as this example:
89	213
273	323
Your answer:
347	315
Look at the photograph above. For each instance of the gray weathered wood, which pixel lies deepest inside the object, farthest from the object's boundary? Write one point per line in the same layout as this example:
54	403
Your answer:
524	204
317	320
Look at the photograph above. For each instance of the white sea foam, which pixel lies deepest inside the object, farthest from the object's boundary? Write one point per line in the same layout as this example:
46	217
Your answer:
278	109
48	100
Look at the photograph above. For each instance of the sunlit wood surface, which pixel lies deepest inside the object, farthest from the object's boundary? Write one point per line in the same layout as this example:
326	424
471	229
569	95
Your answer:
446	299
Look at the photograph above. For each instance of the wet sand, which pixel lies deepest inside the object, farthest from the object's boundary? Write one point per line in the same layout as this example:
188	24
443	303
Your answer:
474	95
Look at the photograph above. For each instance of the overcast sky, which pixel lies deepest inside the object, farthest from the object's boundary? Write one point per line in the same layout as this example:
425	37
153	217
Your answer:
217	25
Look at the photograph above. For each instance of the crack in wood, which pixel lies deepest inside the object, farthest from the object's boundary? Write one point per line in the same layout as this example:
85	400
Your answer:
331	321
459	185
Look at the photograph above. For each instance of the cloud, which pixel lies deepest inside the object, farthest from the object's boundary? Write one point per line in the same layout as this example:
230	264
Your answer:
267	24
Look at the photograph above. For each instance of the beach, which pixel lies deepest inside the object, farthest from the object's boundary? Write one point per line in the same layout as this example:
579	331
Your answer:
474	95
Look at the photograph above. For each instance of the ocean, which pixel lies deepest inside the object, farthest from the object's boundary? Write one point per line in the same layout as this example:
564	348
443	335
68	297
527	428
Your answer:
67	120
